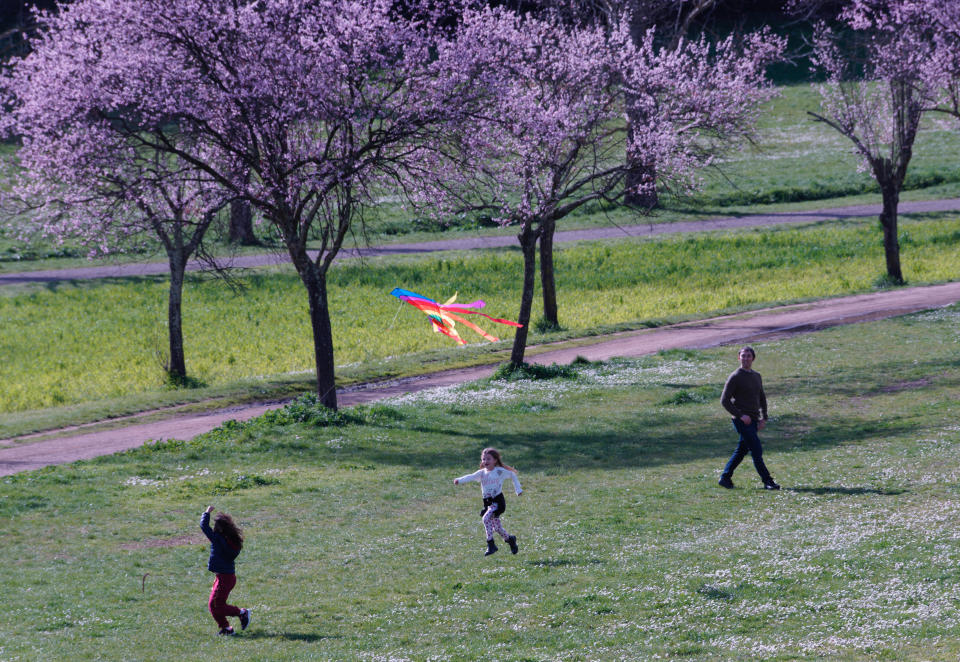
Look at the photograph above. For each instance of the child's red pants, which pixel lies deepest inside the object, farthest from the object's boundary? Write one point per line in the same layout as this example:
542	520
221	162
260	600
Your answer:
219	608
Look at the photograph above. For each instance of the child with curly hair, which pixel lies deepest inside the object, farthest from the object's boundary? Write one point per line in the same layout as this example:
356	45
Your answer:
226	541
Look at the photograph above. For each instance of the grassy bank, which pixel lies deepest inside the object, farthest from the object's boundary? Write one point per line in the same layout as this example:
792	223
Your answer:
359	547
74	343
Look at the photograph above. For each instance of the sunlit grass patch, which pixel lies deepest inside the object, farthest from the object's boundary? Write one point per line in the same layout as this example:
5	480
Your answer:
76	343
799	159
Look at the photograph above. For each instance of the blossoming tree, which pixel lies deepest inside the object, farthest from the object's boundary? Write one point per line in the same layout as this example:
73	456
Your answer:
88	183
672	20
306	110
877	97
552	136
942	70
123	203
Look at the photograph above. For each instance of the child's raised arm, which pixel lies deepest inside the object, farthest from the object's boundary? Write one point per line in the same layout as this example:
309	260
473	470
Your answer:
205	523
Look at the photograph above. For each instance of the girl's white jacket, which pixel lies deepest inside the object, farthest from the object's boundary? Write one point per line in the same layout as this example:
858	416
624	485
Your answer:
492	481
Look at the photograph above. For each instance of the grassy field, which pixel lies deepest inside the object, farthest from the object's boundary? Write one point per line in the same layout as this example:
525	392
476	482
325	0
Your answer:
359	547
796	162
104	341
799	159
81	352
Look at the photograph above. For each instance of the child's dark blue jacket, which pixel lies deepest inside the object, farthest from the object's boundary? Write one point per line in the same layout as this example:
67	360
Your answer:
222	553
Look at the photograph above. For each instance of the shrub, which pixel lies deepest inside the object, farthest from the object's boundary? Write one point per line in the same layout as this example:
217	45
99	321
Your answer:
307	409
511	372
885	282
241	482
543	325
693	395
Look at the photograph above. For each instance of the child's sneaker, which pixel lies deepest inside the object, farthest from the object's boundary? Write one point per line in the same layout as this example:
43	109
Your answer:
244	618
224	632
491	548
514	547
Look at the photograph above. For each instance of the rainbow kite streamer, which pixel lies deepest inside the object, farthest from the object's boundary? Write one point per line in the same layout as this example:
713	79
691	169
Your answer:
442	315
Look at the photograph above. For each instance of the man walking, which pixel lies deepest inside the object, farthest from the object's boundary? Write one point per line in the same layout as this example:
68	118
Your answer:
743	397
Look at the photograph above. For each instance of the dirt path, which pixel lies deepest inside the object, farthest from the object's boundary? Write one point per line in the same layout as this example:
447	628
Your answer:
469	243
22	455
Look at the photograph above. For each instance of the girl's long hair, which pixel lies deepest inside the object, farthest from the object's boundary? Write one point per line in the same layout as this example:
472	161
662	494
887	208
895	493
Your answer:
495	454
224	525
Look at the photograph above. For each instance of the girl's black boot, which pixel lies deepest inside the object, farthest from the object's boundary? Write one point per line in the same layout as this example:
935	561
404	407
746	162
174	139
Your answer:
491	548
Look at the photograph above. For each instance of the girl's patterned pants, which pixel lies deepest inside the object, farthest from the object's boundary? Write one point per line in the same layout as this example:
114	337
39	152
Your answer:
491	523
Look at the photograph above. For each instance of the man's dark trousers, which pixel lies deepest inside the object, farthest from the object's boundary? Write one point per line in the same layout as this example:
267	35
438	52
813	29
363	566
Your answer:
749	443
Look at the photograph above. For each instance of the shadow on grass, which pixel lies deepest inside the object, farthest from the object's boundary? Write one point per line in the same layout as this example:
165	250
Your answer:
586	434
874	379
565	441
715	593
56	283
644	439
845	491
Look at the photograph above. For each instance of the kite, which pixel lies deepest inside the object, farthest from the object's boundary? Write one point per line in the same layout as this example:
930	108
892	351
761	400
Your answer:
442	315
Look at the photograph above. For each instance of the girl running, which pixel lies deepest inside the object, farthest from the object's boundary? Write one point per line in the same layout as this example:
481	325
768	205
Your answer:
226	541
492	474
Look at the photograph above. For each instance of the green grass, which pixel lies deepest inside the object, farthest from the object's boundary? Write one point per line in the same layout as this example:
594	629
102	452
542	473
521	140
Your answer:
359	547
797	161
71	344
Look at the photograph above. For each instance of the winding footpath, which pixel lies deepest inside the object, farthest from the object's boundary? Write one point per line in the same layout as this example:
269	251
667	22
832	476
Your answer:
36	451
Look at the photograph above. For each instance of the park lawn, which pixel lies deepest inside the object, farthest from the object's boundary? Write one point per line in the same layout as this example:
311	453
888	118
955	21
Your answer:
101	344
359	547
799	159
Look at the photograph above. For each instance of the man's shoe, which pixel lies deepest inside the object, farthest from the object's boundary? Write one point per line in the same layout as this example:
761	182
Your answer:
491	548
514	547
224	632
244	619
770	485
725	482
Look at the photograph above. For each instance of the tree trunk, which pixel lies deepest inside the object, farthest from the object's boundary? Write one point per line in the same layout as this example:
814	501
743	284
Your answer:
241	224
638	176
177	368
548	283
641	178
888	219
313	275
316	282
528	245
891	172
241	216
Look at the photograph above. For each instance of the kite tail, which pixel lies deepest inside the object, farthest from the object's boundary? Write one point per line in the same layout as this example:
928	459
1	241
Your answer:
447	331
471	325
500	321
441	317
492	319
